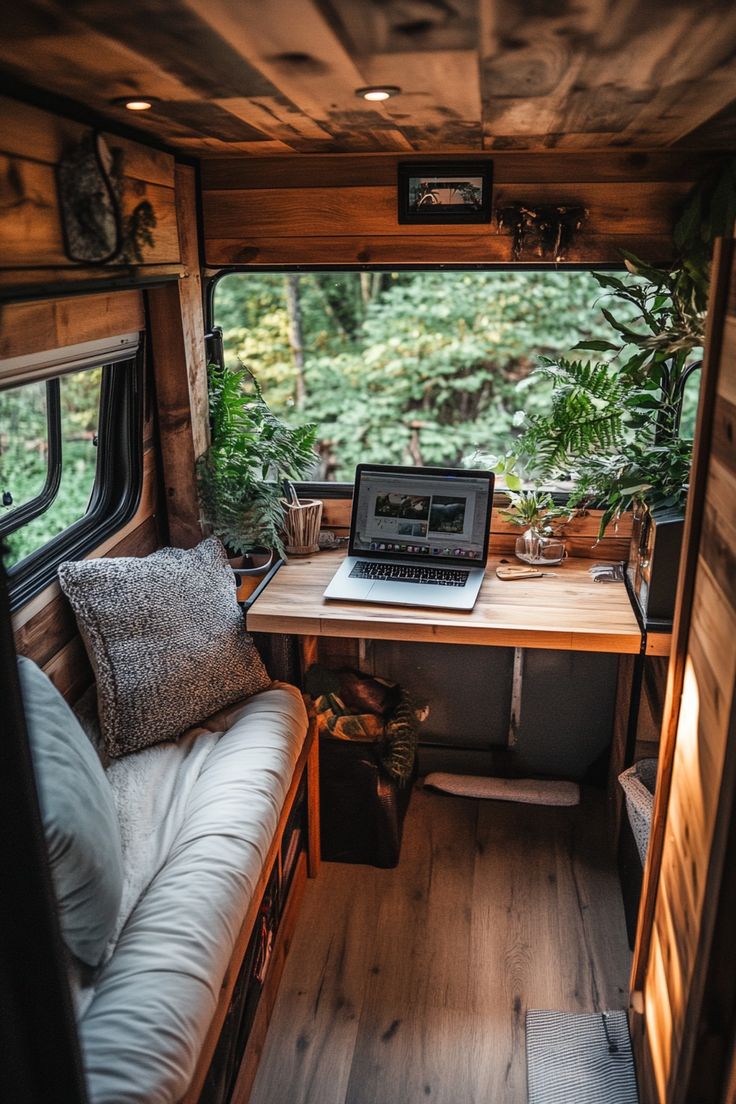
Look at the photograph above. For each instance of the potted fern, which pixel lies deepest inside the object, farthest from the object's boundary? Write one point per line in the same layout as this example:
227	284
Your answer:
240	477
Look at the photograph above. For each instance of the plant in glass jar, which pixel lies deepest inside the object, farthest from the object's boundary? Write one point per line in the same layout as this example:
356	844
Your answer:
536	512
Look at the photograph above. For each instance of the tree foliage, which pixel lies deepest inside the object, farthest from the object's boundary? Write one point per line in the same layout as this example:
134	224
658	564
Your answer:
24	456
409	368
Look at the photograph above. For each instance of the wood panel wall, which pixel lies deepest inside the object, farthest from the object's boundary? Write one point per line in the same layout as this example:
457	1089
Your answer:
580	534
31	242
686	874
176	419
180	366
45	628
342	209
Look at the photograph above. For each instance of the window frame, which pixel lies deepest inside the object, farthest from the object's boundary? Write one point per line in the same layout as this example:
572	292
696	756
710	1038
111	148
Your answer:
38	505
216	352
118	482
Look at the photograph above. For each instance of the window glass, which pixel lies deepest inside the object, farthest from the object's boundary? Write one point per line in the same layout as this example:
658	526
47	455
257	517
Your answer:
406	367
76	477
79	404
690	396
24	445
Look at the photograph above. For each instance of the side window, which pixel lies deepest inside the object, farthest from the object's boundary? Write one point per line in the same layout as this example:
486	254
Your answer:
29	453
70	465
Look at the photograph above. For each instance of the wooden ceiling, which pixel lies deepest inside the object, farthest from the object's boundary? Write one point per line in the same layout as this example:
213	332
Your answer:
265	77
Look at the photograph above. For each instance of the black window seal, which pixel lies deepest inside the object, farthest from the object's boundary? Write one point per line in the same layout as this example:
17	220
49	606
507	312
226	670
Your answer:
34	507
217	273
117	487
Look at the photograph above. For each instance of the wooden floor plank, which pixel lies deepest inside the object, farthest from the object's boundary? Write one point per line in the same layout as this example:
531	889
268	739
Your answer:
593	922
310	1043
412	984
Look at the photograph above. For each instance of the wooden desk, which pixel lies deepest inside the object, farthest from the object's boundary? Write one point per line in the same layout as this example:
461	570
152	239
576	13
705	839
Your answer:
567	611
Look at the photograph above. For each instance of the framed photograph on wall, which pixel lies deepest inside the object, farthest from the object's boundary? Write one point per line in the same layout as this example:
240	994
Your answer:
445	191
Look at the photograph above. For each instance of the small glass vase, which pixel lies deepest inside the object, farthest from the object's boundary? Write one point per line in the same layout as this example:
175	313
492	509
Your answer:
534	548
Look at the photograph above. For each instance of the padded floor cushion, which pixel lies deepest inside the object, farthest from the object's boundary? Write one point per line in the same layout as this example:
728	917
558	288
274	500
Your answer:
155	998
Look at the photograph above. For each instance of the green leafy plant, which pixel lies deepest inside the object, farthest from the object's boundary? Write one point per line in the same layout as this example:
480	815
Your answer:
614	424
534	510
252	451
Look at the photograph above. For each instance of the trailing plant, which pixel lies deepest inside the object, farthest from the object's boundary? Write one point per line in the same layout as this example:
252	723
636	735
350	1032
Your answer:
614	424
252	451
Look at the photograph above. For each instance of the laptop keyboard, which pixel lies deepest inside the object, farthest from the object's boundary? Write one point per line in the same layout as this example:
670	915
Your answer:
408	573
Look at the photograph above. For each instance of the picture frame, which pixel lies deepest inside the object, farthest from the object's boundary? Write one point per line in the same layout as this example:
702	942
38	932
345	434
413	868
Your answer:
444	192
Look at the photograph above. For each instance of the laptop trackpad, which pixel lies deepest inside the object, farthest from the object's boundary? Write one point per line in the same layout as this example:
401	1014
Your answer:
413	594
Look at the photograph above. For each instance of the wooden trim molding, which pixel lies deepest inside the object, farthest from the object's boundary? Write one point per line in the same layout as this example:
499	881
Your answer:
679	921
33	327
180	368
685	588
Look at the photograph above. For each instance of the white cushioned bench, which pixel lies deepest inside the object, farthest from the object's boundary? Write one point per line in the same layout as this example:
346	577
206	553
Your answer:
143	1031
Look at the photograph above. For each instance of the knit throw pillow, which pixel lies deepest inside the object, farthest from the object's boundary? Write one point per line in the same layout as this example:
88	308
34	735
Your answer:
166	640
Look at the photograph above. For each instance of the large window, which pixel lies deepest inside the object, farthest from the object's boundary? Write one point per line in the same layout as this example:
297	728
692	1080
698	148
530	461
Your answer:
70	460
406	367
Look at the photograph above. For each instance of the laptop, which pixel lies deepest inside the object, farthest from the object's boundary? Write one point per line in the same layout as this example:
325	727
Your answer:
418	537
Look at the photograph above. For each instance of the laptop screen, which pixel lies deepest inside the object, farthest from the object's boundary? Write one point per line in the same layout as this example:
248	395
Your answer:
427	513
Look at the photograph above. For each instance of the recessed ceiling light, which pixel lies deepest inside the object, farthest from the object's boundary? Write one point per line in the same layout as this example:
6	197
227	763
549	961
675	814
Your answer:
378	92
135	103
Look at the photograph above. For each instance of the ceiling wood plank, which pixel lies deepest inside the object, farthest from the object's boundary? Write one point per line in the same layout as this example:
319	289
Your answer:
660	78
90	67
439	106
715	133
280	119
241	150
257	78
593	77
292	44
403	26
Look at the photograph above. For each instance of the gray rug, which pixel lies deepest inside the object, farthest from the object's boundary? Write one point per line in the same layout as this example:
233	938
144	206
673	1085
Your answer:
579	1058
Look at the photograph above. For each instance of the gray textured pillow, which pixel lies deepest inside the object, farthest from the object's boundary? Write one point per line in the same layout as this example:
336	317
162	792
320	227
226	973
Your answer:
165	637
79	818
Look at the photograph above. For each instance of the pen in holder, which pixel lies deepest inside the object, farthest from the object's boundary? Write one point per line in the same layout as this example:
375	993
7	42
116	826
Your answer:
301	526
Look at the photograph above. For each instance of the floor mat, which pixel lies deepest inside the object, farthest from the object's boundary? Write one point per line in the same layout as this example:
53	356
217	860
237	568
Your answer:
530	791
579	1058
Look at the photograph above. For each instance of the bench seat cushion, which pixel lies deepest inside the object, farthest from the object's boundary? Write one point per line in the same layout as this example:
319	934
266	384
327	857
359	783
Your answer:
154	1000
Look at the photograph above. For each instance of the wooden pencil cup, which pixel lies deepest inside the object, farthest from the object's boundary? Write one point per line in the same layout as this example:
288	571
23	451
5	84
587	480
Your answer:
301	524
